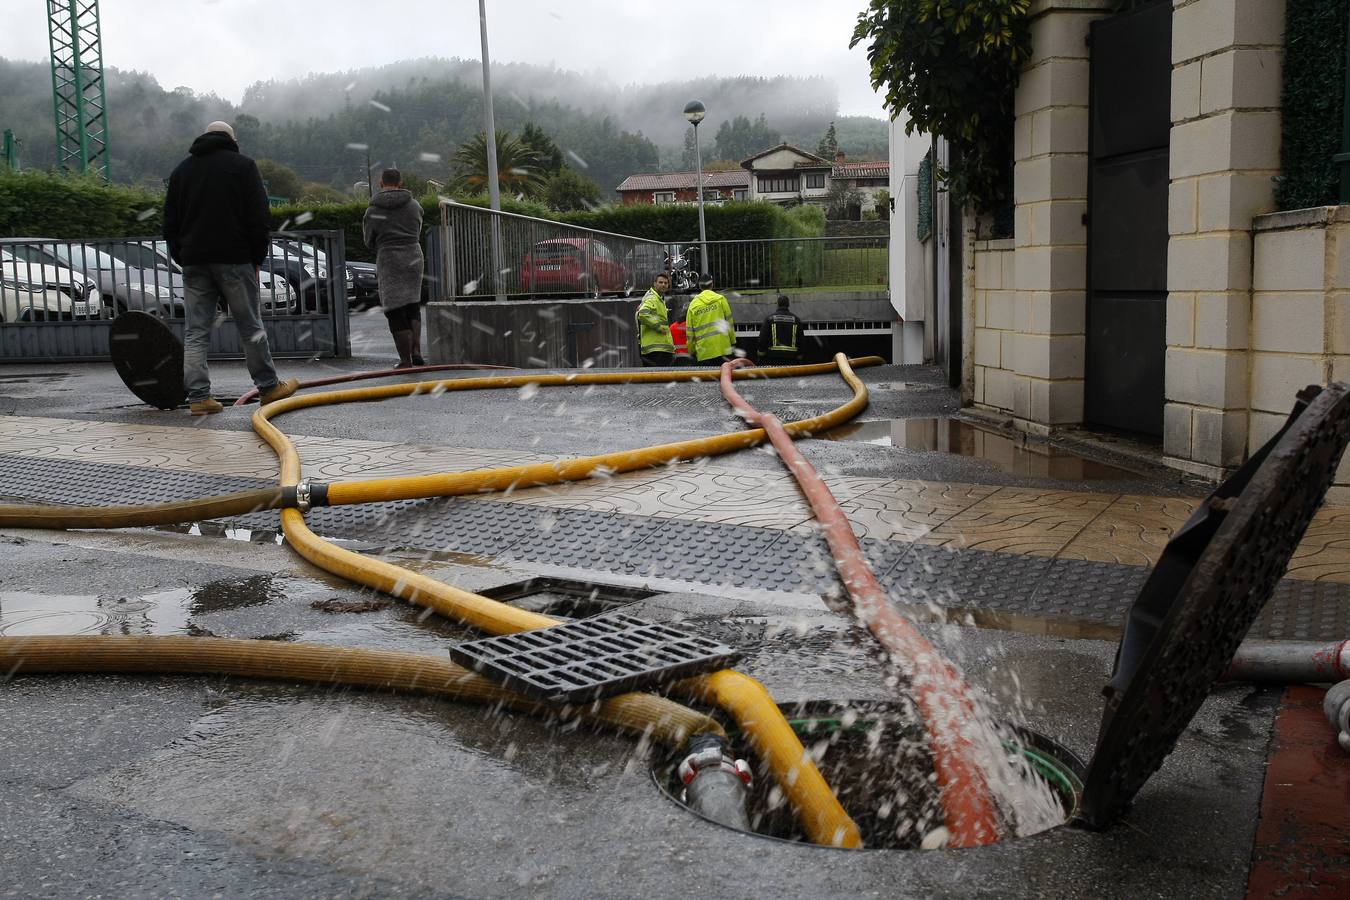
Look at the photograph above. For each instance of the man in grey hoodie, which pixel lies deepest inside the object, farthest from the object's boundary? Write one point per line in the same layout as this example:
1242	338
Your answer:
393	228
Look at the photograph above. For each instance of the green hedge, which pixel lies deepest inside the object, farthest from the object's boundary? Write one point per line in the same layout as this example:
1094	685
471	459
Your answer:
1313	103
39	204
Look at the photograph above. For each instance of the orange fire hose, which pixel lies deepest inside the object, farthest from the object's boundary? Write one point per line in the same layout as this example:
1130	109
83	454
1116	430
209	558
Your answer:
971	815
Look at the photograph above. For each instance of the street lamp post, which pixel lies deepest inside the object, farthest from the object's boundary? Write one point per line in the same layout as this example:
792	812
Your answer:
490	132
694	111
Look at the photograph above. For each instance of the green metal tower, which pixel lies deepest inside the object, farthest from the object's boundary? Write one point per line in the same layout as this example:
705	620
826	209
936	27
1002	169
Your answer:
77	86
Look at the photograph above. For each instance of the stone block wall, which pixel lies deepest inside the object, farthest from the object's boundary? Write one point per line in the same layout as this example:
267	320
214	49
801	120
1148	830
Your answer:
1300	323
996	314
1036	371
1225	151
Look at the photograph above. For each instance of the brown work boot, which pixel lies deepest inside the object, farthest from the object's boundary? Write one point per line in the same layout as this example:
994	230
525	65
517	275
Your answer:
283	390
206	407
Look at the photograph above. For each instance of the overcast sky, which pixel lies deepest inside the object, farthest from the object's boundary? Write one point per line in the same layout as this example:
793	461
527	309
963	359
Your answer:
222	46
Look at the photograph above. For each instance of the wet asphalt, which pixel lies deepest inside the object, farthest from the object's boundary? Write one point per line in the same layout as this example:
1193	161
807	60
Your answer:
169	786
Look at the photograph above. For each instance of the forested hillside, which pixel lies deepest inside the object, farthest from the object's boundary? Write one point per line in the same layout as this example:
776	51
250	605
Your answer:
416	113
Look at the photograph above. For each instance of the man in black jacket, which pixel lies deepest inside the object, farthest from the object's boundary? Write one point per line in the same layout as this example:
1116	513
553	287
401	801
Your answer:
217	224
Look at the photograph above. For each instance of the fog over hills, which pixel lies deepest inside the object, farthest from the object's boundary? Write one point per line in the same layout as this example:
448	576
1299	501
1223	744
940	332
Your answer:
416	112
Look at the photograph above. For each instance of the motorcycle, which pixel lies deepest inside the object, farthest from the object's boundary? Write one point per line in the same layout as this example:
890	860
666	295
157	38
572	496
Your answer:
683	269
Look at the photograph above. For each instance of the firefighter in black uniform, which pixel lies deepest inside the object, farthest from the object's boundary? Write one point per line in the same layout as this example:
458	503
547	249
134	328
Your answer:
780	336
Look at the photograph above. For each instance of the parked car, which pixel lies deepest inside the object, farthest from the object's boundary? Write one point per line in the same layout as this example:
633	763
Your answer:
122	286
26	297
572	265
363	285
303	266
274	293
86	300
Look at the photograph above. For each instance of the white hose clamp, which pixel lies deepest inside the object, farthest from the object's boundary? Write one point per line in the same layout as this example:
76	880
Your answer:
713	758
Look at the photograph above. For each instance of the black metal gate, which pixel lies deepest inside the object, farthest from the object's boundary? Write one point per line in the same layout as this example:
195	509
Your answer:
1131	77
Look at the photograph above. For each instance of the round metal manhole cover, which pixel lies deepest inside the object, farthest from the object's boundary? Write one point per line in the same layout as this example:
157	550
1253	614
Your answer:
149	358
1202	597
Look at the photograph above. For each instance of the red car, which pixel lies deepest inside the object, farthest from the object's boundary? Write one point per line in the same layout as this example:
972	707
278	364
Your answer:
561	265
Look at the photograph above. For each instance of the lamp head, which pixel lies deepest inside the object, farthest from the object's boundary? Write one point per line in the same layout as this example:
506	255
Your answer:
694	111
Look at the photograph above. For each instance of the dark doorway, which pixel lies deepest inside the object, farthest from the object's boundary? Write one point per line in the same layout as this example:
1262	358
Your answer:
1131	78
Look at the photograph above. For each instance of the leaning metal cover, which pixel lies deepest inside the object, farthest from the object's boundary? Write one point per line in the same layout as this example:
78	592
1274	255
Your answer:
592	658
1201	598
149	358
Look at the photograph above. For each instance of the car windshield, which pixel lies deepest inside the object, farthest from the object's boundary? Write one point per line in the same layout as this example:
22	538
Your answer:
82	257
299	248
34	254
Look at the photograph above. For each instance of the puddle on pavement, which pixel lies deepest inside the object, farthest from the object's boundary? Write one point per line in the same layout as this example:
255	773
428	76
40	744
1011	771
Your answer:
1031	459
160	612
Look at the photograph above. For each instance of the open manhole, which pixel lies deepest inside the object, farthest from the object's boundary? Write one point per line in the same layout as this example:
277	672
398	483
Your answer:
875	756
564	598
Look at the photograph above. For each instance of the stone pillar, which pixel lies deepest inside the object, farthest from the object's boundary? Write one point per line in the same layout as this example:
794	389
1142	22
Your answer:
1225	149
1043	354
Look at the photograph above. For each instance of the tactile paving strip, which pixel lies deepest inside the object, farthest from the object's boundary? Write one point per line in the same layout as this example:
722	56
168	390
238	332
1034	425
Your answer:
700	552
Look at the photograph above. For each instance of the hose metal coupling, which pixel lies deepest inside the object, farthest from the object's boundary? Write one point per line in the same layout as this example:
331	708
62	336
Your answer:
709	758
1336	705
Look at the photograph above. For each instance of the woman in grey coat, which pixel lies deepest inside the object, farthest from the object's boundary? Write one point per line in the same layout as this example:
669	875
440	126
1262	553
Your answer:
392	227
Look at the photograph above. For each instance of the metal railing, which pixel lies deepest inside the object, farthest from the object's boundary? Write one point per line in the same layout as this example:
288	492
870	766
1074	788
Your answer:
483	253
835	263
57	297
480	254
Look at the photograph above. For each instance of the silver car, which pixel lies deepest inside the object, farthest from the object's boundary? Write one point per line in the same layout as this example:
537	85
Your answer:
275	294
123	286
86	300
26	296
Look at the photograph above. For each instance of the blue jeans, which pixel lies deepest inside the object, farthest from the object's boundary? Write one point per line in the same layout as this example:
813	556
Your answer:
205	286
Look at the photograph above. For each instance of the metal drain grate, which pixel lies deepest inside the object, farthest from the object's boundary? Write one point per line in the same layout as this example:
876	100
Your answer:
582	661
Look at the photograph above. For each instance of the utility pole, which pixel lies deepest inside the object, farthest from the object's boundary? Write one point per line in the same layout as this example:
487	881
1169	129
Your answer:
77	86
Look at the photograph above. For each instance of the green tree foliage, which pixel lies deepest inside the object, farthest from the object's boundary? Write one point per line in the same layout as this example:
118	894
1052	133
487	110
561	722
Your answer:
829	144
550	157
739	138
518	168
280	179
843	201
566	191
953	65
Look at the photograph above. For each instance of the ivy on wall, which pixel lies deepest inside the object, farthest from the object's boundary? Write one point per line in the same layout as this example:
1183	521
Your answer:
952	66
1313	102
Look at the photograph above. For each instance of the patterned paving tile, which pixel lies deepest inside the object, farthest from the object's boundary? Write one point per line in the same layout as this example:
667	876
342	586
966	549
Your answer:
908	510
1132	530
1018	520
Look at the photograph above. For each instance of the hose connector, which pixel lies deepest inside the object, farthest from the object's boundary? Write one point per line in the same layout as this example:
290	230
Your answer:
1336	705
302	496
716	783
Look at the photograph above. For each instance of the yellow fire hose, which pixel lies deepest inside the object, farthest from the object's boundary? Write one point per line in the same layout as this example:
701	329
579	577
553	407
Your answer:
401	672
745	699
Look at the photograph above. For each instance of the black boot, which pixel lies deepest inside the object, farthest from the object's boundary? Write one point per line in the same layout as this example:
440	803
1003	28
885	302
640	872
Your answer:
416	354
403	343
